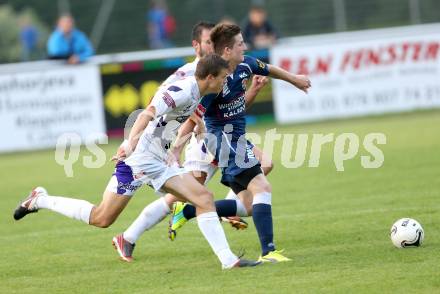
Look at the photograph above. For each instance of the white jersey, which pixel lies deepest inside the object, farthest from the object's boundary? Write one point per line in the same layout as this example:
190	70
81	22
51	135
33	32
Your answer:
187	70
174	104
195	159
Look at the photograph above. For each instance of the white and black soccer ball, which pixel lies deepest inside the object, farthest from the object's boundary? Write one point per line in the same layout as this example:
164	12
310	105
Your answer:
407	232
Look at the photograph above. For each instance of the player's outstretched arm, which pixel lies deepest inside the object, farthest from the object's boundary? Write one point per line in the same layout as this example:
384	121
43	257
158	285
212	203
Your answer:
128	146
258	82
302	82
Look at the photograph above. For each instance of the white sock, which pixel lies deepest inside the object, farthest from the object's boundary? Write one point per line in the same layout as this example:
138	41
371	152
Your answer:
149	217
70	207
232	195
241	210
210	227
262	198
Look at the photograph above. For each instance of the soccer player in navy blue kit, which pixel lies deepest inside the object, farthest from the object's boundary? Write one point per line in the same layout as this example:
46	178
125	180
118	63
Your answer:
225	119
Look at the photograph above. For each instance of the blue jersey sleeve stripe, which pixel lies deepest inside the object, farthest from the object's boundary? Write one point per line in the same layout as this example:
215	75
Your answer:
247	65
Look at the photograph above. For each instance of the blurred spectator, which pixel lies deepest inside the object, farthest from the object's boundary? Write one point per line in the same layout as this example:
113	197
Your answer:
28	40
160	25
258	31
66	42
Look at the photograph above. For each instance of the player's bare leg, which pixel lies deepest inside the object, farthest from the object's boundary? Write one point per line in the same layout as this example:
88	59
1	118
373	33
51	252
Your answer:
185	186
266	162
108	210
236	222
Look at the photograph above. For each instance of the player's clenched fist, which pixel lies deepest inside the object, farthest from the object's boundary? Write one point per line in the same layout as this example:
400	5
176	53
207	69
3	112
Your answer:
302	82
123	152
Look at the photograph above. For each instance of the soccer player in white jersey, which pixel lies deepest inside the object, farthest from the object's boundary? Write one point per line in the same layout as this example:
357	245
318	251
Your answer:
152	134
201	170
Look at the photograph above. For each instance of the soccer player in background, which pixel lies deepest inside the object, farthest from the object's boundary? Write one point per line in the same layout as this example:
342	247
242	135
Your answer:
225	119
152	134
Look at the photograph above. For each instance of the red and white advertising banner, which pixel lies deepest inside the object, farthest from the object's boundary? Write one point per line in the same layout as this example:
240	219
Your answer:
36	107
359	73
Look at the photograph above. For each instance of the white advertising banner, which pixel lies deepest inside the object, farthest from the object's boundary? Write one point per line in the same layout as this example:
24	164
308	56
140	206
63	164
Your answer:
359	73
37	107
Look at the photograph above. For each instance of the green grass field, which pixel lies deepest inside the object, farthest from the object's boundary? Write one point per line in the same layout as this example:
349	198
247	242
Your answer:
334	225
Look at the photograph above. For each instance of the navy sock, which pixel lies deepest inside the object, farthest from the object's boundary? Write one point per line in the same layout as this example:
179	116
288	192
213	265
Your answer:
189	211
262	216
225	207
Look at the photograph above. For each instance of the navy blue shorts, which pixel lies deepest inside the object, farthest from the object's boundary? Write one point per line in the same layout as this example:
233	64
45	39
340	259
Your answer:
234	156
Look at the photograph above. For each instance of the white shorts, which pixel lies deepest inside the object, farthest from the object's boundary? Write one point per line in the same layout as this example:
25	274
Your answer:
127	179
198	159
122	181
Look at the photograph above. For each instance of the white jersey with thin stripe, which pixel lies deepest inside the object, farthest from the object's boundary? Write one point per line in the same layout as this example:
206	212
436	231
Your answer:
195	159
187	70
174	104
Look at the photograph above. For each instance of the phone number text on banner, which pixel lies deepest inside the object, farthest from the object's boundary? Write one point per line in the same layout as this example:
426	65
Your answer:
359	75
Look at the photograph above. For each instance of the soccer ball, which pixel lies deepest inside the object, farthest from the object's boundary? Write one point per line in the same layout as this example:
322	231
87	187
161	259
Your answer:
407	232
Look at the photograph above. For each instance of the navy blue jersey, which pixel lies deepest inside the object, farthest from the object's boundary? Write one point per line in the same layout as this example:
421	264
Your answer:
232	152
229	106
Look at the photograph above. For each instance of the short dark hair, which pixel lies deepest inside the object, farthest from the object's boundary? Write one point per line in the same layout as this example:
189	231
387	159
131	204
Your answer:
222	36
211	64
198	28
